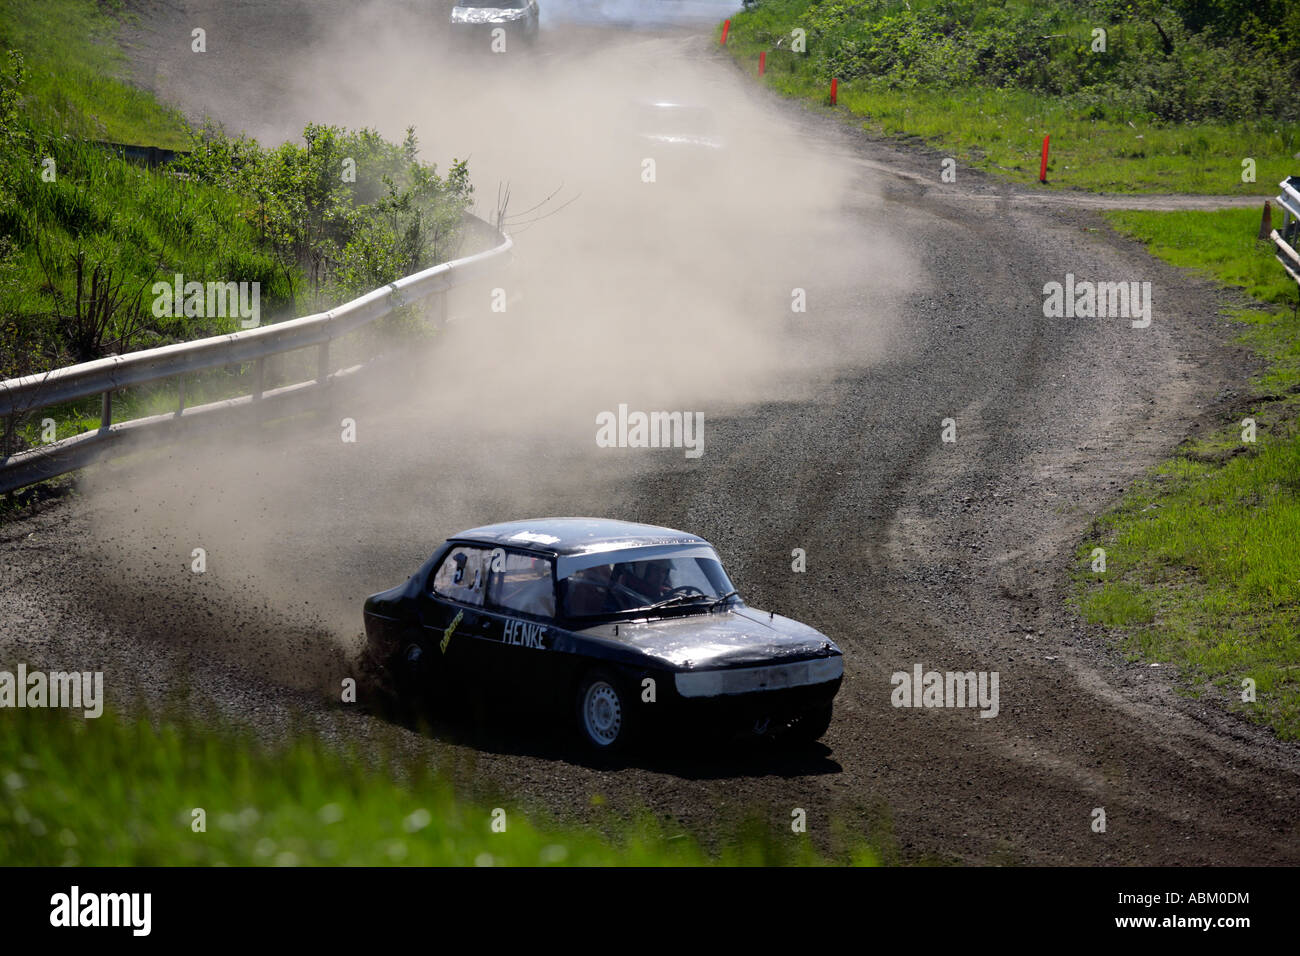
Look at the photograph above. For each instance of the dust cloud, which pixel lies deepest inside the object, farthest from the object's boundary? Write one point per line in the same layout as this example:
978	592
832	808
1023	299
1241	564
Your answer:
672	294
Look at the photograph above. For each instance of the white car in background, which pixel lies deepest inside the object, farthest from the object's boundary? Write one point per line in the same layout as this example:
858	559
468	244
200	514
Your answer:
475	23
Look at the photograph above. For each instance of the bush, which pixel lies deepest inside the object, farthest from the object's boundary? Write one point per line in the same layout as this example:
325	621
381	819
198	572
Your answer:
1187	60
84	234
349	209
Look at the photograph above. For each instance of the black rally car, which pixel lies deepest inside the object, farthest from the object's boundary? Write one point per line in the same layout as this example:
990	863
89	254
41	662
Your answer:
624	627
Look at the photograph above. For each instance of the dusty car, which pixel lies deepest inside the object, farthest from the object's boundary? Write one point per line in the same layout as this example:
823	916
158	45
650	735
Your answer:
476	22
616	628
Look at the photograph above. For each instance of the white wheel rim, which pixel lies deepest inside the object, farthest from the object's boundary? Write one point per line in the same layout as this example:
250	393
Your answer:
602	713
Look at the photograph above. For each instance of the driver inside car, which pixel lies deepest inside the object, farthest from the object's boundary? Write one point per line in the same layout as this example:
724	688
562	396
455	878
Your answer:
649	579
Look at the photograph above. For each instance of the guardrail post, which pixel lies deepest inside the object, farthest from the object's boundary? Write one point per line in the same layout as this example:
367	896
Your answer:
7	450
180	401
1284	238
106	410
259	379
322	362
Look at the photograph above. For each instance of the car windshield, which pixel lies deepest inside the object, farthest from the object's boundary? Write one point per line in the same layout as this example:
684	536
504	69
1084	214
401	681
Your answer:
658	584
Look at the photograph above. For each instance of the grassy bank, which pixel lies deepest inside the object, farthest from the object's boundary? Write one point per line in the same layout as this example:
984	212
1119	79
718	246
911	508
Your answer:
85	236
1172	104
105	792
76	85
1202	563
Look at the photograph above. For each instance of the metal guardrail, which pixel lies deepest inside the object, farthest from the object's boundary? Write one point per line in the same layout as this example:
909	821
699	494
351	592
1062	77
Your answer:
151	156
1289	200
20	397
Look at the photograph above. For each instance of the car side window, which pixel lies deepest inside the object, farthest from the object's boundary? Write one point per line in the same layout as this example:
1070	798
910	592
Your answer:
462	576
522	583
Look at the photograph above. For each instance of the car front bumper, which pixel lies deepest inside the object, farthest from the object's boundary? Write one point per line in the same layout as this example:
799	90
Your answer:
748	712
743	681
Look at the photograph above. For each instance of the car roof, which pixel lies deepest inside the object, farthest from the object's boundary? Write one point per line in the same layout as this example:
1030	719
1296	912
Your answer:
573	536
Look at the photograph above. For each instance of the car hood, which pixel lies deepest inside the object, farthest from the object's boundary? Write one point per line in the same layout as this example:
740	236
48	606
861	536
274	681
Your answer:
720	639
485	15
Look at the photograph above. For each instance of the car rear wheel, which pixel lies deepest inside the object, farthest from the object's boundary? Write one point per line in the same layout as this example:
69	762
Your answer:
376	680
604	717
414	679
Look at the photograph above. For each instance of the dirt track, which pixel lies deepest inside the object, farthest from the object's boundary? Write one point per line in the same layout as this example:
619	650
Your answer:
954	556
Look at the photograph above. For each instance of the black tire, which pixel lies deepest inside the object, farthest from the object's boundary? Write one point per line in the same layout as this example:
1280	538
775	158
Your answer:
811	726
604	713
415	683
377	689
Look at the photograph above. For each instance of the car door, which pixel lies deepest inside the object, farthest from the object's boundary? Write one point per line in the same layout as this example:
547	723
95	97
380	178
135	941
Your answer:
521	611
455	629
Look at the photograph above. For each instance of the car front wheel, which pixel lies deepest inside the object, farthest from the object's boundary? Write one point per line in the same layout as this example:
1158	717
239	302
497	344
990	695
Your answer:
604	716
811	726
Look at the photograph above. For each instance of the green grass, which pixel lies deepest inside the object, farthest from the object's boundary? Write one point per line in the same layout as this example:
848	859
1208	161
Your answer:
1099	140
61	196
76	86
1202	558
145	221
107	792
1217	245
143	225
1222	246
